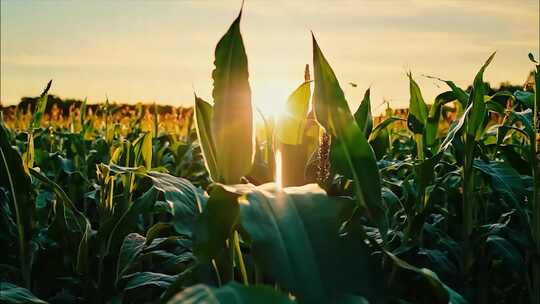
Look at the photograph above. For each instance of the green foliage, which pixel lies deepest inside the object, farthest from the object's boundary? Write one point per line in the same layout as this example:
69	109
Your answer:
351	154
232	293
232	121
434	213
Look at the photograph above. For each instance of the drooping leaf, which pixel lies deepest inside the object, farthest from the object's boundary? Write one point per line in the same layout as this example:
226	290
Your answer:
438	291
204	113
232	293
131	247
13	294
70	225
363	116
382	126
185	199
144	282
505	180
232	122
507	253
525	98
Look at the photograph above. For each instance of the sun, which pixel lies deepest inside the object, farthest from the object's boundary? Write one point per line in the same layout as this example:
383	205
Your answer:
270	102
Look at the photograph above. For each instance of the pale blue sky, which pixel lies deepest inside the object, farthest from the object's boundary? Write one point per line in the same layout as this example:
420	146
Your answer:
161	50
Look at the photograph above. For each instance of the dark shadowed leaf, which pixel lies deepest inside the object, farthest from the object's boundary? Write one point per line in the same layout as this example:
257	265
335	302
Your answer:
232	293
438	291
217	221
13	294
204	113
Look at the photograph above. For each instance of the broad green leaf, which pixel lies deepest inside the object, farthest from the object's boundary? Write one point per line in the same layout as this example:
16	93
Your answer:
216	222
439	292
40	107
290	127
295	238
478	111
525	98
185	199
203	118
232	293
505	251
352	155
13	294
505	180
363	115
418	113
525	119
143	282
131	247
232	122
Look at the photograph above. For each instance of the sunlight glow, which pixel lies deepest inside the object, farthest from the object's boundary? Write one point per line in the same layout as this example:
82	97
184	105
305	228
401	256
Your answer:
278	173
271	101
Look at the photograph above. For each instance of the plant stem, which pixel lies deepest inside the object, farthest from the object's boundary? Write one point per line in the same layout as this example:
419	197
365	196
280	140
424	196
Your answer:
468	189
240	258
535	227
419	146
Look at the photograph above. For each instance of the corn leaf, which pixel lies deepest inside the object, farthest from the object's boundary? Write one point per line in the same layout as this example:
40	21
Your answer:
363	116
418	113
290	129
291	232
40	107
352	155
232	293
203	119
232	122
477	115
13	294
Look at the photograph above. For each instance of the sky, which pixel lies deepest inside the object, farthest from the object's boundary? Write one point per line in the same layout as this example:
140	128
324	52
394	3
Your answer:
162	51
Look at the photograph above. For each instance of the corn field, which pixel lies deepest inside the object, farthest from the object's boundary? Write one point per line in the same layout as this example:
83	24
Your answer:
319	205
